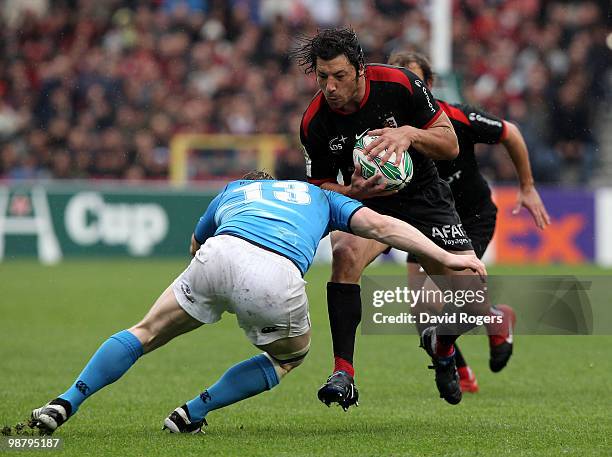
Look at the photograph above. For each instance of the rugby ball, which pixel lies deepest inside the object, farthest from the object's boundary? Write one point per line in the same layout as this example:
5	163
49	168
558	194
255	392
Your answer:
396	177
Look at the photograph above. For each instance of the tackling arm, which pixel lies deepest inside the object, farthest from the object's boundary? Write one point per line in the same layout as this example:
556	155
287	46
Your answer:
401	235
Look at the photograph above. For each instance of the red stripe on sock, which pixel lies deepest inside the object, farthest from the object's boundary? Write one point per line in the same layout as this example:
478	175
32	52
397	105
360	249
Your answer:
495	331
343	365
444	350
464	372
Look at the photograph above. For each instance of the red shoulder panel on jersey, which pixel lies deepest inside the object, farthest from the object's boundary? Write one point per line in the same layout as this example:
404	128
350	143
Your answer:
454	113
388	74
433	119
312	109
318	182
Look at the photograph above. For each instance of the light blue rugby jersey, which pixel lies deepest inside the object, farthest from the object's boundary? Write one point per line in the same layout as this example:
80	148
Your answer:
287	217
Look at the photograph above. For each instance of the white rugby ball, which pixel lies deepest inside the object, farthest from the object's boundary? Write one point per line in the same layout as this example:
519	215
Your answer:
396	177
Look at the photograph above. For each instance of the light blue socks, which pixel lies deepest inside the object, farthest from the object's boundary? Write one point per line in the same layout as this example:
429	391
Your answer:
241	381
116	355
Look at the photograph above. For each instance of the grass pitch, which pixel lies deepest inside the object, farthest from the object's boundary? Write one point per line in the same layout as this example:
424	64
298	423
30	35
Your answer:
554	398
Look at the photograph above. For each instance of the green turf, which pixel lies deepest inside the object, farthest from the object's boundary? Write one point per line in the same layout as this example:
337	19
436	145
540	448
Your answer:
553	399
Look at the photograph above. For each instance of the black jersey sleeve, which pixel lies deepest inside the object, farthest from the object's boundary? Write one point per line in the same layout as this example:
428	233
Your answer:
422	105
320	166
483	127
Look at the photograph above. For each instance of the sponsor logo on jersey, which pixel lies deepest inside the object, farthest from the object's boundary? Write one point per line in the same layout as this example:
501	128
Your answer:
390	122
308	162
448	231
336	144
454	177
477	117
418	83
360	136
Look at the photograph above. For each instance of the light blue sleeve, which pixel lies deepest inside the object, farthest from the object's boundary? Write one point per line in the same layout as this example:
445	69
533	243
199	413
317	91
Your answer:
206	226
342	209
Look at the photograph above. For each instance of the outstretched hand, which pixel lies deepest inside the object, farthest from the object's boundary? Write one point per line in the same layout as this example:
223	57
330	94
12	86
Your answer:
530	199
466	262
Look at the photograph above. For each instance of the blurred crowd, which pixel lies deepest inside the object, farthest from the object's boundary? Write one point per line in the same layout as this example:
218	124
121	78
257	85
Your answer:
97	89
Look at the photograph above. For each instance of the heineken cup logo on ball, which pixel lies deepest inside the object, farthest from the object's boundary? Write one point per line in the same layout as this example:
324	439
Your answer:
395	176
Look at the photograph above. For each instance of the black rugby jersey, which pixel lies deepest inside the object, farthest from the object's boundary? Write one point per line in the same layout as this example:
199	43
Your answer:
472	126
394	97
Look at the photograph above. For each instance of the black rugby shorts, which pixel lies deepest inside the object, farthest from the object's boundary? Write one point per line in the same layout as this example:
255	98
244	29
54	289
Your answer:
431	209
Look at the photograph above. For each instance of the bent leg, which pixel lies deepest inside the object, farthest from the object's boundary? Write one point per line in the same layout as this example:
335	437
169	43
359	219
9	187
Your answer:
416	280
458	282
164	321
252	376
268	296
117	354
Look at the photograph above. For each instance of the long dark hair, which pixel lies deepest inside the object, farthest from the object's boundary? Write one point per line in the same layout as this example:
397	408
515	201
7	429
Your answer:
328	44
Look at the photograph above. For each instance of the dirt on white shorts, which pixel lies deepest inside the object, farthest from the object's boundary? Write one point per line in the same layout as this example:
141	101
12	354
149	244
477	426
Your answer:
265	290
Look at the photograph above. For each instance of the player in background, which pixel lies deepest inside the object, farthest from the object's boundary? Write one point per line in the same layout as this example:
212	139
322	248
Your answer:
252	247
356	99
473	195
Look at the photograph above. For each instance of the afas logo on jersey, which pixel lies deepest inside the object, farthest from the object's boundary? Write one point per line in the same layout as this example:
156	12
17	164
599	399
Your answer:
448	231
418	83
477	117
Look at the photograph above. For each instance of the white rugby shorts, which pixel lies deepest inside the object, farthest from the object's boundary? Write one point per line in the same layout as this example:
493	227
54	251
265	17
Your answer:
263	289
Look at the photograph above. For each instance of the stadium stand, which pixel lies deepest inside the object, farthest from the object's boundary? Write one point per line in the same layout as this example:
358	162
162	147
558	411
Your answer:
96	90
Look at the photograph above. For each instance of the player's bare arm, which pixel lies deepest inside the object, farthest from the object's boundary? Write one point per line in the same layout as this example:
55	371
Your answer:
437	142
528	195
401	235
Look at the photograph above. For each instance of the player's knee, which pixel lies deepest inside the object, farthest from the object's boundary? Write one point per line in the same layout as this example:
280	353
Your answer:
291	365
284	363
416	275
346	263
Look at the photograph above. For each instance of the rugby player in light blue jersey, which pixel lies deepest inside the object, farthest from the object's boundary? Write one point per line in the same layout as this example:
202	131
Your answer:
251	249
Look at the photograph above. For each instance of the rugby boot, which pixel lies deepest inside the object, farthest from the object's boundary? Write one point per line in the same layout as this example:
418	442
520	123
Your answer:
447	379
340	388
51	416
501	339
179	421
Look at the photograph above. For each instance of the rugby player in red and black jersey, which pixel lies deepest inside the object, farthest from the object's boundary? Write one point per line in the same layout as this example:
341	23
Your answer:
357	99
473	196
